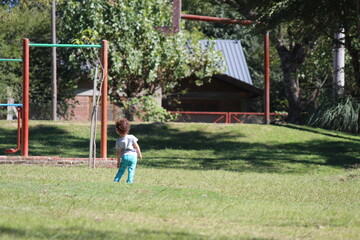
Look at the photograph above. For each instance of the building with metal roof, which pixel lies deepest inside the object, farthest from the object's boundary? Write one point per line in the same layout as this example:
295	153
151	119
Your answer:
233	53
230	91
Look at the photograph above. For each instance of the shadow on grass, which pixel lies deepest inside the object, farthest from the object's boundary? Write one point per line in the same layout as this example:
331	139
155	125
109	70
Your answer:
348	136
83	233
48	141
165	146
299	157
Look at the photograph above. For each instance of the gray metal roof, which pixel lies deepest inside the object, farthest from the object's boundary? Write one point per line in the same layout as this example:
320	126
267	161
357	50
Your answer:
235	59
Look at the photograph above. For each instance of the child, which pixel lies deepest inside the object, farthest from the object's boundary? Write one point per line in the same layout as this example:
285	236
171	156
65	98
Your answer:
127	150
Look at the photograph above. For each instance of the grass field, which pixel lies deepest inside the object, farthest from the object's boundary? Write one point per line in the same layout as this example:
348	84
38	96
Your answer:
197	181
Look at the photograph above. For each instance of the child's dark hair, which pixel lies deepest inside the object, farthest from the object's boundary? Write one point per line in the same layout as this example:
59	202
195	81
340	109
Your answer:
122	126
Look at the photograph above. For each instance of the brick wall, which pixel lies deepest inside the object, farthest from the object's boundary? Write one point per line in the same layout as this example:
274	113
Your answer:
82	110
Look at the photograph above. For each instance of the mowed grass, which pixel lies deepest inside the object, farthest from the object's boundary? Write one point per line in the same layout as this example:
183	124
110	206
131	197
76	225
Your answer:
196	181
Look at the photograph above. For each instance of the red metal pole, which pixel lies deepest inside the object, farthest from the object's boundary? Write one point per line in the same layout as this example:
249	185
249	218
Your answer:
216	19
25	98
266	78
104	97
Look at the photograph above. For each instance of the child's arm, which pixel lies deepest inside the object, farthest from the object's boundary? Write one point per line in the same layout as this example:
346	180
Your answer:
118	157
138	151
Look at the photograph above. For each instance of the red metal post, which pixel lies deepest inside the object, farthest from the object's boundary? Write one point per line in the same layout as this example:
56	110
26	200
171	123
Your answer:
266	78
104	99
216	19
228	120
25	98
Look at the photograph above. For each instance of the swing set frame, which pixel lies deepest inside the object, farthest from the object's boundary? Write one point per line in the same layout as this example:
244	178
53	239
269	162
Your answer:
26	90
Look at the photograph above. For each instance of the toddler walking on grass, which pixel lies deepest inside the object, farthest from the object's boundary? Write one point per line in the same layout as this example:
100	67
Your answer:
127	150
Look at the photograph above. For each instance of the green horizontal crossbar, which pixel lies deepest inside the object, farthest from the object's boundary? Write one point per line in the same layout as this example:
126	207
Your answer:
10	60
64	45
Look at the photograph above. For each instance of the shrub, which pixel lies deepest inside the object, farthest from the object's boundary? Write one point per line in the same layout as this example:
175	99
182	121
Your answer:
342	116
147	109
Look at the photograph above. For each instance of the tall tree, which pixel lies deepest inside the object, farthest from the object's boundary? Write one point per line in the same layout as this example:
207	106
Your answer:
298	26
142	59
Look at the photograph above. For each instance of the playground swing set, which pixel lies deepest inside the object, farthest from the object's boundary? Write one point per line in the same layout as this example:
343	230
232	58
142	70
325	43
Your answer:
23	108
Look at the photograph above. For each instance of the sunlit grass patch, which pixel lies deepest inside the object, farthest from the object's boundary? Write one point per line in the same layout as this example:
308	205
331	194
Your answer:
42	202
196	181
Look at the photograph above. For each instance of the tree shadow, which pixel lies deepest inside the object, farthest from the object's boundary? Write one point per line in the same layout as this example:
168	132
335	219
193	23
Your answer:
47	140
85	233
8	139
161	136
173	147
347	136
298	157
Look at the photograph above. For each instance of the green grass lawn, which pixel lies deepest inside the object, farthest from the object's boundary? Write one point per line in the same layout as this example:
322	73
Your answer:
197	181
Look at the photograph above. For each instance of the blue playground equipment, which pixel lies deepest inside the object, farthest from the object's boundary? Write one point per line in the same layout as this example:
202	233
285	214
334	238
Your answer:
10	105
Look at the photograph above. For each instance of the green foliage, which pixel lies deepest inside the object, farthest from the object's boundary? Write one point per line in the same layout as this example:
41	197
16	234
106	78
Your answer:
25	4
146	109
323	18
15	26
12	29
33	22
211	29
317	69
142	59
342	116
310	27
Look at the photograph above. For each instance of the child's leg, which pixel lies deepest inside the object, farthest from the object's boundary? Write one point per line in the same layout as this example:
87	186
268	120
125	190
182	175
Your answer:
121	171
131	168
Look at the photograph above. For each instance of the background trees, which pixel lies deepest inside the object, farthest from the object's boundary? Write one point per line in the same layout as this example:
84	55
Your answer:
303	34
16	24
142	59
30	19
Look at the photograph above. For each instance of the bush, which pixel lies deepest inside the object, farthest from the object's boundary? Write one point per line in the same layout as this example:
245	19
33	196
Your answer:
342	116
146	109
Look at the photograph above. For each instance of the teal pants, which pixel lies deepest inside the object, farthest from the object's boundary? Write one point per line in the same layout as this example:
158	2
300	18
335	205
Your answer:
127	161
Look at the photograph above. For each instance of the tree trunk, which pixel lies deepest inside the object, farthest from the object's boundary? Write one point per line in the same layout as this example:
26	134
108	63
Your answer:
354	53
339	65
291	60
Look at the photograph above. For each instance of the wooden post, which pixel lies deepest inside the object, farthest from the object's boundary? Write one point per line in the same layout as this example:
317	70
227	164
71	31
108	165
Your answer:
176	16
